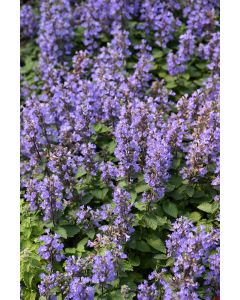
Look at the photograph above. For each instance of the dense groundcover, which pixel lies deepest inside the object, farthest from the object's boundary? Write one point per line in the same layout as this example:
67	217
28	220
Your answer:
120	149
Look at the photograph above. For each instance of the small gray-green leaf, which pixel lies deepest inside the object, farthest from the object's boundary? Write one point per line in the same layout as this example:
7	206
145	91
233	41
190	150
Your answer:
80	173
61	231
160	256
157	244
111	147
140	246
206	207
99	194
140	206
133	196
70	250
157	53
101	128
190	191
81	244
171	209
161	220
71	230
90	233
142	188
151	222
134	260
143	246
195	216
170	262
127	265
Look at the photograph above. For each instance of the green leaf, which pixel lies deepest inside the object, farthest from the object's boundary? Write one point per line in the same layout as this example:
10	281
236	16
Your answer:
176	163
127	265
140	206
138	218
215	206
70	250
170	208
175	180
130	65
169	78
103	37
122	183
101	128
132	24
157	53
206	207
170	262
90	233
151	222
80	173
81	244
160	256
133	196
40	176
62	231
161	220
199	194
156	243
189	190
140	246
177	194
195	74
170	187
143	246
162	74
201	66
111	147
115	283
99	194
164	67
171	85
143	187
195	216
28	278
32	296
154	66
186	76
134	260
71	230
79	32
86	199
115	295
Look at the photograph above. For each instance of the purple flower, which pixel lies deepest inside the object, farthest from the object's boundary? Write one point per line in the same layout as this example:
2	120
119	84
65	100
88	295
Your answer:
147	292
28	21
52	248
48	282
158	162
195	253
80	290
103	268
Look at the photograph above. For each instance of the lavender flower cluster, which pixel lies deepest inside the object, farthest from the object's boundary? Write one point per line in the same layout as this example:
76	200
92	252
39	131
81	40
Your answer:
28	21
81	275
195	252
100	116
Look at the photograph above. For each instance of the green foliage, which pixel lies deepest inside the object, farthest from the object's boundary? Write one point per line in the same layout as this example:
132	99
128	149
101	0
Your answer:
170	208
141	187
154	241
99	194
30	263
208	207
